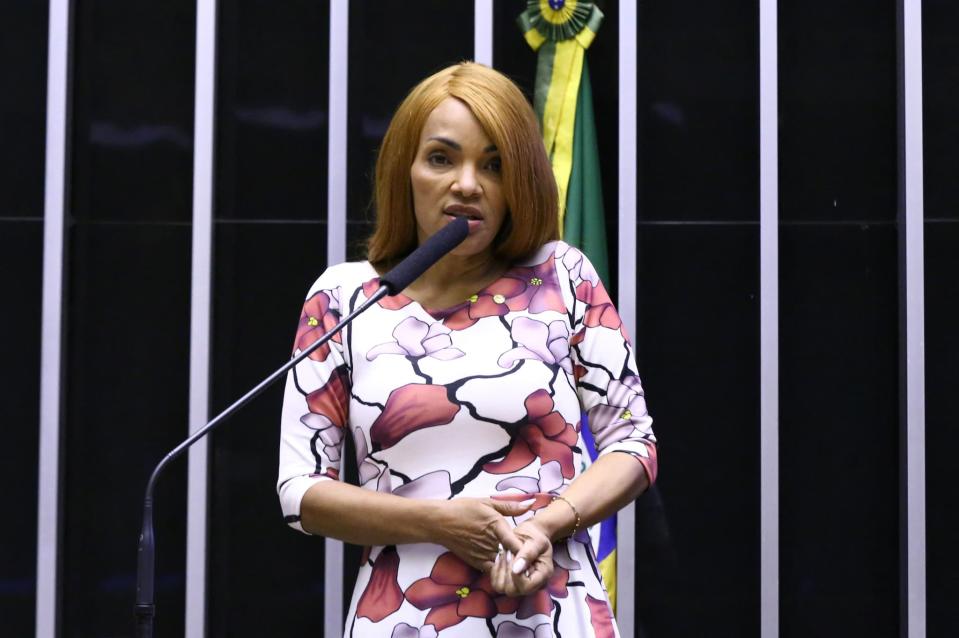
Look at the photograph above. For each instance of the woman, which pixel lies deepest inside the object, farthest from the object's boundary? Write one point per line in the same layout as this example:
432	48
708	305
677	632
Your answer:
464	393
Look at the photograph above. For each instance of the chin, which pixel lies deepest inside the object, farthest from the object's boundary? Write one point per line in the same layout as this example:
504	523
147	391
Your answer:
472	246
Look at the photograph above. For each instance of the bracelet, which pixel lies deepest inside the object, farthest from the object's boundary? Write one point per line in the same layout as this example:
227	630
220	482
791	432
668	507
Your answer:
575	513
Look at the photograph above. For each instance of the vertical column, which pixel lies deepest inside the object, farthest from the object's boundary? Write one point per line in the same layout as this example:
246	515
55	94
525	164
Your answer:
336	253
626	525
483	32
339	74
51	356
200	300
912	308
769	318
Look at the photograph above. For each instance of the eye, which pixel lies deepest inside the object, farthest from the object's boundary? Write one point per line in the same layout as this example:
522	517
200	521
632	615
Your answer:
437	159
495	165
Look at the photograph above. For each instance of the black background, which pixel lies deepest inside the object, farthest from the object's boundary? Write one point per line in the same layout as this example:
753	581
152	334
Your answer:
23	63
127	296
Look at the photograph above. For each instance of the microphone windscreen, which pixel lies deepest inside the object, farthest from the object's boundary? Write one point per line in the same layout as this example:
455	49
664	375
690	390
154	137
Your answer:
427	254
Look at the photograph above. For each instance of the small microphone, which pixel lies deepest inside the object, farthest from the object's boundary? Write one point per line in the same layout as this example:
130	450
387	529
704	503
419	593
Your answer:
431	251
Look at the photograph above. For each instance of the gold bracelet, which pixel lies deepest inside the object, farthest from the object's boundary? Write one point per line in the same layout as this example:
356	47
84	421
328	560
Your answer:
575	513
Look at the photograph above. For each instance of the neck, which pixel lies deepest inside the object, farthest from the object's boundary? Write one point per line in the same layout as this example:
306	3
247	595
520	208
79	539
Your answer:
464	270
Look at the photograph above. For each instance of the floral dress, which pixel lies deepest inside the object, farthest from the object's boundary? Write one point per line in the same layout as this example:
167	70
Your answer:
483	399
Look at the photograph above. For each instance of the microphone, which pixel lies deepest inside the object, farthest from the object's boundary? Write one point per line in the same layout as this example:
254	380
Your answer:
431	251
405	273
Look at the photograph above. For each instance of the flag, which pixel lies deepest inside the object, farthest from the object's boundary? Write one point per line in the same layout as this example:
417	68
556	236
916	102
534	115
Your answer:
560	32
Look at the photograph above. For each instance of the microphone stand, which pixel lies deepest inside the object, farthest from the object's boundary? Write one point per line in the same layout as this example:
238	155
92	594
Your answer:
145	609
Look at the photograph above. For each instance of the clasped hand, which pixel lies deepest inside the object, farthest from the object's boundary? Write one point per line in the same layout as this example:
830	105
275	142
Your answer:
519	561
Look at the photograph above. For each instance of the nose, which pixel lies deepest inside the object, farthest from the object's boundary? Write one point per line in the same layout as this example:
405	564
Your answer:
466	183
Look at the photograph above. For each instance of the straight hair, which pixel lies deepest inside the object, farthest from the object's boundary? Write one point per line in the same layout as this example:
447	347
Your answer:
529	186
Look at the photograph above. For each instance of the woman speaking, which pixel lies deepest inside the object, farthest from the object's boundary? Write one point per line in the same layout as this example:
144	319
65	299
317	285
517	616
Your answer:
464	393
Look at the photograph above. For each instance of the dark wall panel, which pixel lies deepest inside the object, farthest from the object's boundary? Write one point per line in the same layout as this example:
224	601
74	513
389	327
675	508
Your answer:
127	318
697	534
128	335
837	111
697	543
21	247
23	75
23	63
272	110
133	111
384	66
269	246
262	275
511	54
698	91
942	415
940	24
839	429
839	320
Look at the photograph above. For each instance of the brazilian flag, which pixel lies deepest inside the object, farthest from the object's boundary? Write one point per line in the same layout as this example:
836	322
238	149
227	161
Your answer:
560	32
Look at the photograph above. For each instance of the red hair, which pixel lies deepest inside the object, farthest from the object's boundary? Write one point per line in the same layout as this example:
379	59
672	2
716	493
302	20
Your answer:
507	118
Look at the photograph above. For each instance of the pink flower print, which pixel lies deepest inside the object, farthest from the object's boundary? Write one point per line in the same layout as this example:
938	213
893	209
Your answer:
541	602
576	264
562	558
493	301
549	344
320	314
409	408
509	629
541	288
549	484
330	435
546	435
612	421
415	338
600	617
383	594
394	302
332	399
455	591
331	472
328	412
619	418
532	288
367	469
403	630
600	311
435	485
579	371
550	480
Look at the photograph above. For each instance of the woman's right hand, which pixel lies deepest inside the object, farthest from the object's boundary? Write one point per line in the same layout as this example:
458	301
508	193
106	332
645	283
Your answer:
475	528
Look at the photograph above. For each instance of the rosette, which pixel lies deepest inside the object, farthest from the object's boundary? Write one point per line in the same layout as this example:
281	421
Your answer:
559	20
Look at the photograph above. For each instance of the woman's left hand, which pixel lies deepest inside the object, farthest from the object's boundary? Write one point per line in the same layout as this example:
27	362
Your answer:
531	568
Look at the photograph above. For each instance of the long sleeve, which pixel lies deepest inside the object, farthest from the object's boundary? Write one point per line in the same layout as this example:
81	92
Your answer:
605	368
315	403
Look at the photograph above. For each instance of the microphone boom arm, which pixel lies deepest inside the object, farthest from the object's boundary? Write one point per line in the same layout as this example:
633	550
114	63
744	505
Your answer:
414	265
145	608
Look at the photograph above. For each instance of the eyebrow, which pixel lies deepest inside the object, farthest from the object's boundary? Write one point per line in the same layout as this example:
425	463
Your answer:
456	147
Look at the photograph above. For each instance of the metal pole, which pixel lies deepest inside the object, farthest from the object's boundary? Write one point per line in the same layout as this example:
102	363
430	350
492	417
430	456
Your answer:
51	349
769	317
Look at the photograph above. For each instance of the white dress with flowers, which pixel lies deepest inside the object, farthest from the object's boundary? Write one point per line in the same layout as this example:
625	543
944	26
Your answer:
483	399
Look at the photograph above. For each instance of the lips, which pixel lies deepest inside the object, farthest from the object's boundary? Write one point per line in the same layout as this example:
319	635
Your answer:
469	212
